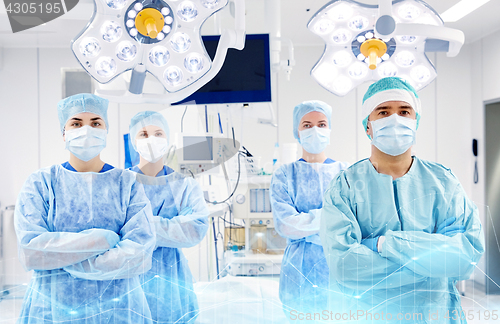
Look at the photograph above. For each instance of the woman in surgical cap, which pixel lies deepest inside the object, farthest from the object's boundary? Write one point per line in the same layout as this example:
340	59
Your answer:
180	217
296	196
85	229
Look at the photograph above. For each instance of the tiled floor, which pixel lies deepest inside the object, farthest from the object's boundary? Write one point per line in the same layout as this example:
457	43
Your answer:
476	305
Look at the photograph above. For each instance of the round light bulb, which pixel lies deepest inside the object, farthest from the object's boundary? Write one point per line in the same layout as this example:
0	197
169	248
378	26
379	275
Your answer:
210	4
358	70
173	75
323	27
90	47
138	6
130	23
361	39
105	66
116	4
408	12
160	36
358	23
167	29
369	35
159	56
341	12
405	59
169	20
341	36
385	57
194	62
420	74
165	11
407	39
342	85
387	69
187	11
180	42
342	58
361	57
131	14
111	31
126	51
133	32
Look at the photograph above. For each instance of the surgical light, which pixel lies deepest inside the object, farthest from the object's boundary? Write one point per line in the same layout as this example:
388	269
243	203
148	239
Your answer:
126	51
159	56
365	42
90	47
105	66
161	37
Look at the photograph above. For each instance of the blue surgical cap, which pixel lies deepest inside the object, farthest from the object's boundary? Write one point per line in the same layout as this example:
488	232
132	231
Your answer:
389	89
147	118
80	103
306	107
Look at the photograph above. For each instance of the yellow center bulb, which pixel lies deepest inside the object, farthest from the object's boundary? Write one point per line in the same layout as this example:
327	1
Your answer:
149	22
373	49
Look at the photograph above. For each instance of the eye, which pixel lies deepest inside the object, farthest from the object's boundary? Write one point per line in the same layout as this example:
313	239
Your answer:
159	134
96	124
75	124
322	125
307	126
382	112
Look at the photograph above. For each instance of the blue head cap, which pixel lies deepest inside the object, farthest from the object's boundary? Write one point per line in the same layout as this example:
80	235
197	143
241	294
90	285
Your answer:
306	107
147	118
389	89
80	103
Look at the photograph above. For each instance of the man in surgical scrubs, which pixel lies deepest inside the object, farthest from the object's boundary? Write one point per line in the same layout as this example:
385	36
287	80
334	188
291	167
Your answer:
180	217
85	228
297	196
398	231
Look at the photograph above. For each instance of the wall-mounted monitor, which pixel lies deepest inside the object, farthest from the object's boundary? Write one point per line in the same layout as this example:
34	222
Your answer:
245	76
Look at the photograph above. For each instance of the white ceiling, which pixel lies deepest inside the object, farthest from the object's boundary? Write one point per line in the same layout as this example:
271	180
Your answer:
294	17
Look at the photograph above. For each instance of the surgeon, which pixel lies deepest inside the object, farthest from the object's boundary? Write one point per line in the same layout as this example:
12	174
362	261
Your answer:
85	228
297	197
399	231
180	218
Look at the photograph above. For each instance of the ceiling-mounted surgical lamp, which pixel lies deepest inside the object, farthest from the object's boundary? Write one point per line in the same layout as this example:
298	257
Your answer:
369	42
161	37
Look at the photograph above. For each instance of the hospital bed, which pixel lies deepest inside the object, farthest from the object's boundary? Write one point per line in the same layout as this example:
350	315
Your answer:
240	299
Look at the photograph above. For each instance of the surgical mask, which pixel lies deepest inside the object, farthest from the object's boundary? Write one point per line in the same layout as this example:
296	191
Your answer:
153	148
85	142
394	135
314	140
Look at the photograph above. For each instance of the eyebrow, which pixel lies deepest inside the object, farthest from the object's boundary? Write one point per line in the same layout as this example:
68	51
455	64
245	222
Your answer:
308	122
400	107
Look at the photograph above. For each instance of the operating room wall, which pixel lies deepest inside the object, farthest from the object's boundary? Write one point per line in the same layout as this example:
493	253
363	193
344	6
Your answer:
30	87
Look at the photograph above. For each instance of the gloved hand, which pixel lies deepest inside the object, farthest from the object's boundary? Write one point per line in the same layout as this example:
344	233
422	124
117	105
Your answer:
371	243
446	227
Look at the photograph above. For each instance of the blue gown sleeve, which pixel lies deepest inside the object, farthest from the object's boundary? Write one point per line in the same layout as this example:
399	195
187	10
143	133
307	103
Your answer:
188	228
39	247
437	255
133	254
353	264
288	222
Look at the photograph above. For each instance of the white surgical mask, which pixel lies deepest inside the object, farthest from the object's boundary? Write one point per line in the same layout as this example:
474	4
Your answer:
85	142
314	140
394	135
152	148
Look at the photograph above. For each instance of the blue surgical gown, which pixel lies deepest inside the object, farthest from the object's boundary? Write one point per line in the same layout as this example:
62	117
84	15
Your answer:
87	236
180	216
296	199
417	270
